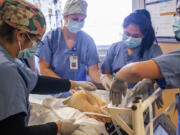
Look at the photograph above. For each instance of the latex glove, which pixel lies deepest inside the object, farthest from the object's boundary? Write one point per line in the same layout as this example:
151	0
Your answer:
159	101
68	126
142	87
84	85
106	82
118	89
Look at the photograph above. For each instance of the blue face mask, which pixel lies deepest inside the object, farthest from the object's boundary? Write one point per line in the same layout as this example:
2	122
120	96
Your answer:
132	42
28	52
176	26
74	26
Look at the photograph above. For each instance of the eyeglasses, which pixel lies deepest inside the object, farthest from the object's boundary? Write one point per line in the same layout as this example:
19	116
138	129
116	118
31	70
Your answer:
39	42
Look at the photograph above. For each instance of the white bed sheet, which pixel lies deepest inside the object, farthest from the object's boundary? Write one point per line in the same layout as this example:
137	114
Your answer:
48	109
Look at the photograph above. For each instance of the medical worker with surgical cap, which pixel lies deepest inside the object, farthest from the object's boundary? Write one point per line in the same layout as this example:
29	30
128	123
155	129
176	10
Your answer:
166	66
68	52
21	26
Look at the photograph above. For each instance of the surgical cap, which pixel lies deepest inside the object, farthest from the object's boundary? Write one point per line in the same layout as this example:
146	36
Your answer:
22	15
75	7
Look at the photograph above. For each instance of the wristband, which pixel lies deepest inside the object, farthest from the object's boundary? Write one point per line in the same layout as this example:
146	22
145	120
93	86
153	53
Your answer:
115	78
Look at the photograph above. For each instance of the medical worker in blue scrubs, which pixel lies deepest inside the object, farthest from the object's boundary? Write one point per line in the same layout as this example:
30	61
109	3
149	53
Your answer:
166	66
68	52
137	45
22	25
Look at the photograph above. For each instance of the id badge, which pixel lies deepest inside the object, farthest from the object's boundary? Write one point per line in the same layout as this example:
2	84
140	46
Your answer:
73	62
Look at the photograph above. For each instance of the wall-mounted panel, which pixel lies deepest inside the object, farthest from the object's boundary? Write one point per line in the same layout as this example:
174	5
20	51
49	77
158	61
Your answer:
162	15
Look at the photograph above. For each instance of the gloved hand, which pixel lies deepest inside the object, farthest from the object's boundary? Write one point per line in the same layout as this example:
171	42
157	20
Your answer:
118	89
142	87
68	126
106	81
84	85
159	101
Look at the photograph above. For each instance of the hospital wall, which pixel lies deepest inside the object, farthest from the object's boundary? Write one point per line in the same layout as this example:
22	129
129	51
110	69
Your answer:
169	94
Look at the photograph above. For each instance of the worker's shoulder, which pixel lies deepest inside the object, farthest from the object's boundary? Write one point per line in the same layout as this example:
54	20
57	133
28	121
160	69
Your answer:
6	65
116	46
53	34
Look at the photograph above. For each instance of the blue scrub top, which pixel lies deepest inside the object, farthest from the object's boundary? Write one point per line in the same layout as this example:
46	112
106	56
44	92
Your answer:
117	57
170	69
16	82
56	53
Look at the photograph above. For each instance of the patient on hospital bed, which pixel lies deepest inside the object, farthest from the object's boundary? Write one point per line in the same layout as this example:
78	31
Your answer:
85	101
91	104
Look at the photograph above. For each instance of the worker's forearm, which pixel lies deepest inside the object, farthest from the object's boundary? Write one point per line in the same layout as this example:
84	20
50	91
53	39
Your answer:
50	85
48	72
137	71
94	73
16	125
128	74
95	76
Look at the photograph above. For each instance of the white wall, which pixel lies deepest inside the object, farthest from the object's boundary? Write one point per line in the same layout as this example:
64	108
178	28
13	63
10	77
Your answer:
137	4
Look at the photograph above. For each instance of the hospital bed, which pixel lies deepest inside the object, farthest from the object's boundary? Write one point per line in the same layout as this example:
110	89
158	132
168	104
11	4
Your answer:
160	125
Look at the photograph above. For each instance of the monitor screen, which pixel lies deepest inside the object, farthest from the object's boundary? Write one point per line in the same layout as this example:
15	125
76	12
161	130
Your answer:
160	131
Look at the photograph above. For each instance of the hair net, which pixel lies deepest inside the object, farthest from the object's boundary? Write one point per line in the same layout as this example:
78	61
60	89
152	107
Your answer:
22	15
75	7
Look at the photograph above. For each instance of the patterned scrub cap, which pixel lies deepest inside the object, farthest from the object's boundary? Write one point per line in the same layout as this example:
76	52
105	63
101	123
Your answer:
75	7
22	15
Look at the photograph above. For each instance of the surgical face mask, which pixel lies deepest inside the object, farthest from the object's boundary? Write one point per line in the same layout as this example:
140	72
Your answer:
176	26
74	26
132	42
28	52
